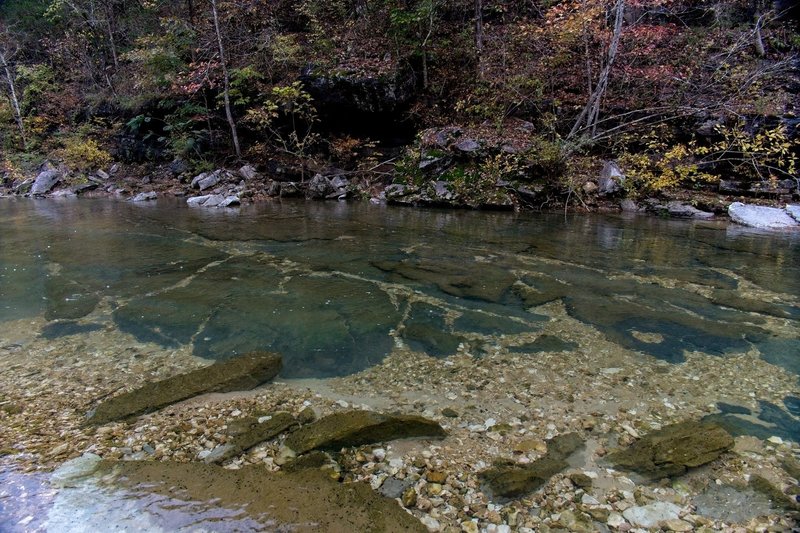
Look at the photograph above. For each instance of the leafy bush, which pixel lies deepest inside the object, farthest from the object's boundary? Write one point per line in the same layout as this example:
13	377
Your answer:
85	155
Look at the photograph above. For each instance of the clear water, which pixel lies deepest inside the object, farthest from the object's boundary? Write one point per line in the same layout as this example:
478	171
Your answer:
336	287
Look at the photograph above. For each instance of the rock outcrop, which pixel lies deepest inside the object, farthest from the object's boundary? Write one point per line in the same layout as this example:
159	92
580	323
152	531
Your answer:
354	428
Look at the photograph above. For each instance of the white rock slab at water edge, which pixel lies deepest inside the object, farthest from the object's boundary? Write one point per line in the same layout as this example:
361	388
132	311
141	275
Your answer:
756	216
794	211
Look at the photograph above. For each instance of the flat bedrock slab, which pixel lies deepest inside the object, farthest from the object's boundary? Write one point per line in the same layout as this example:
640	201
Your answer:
757	216
240	373
354	428
674	449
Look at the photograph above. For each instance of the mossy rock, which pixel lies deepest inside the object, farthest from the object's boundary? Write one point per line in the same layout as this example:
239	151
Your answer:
355	428
512	480
674	449
509	481
240	373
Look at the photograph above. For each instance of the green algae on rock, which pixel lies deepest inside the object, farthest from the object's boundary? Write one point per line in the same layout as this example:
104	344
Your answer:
240	373
674	449
354	428
302	500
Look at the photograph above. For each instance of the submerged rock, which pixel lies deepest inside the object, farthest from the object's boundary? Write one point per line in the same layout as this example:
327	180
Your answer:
240	373
674	449
512	480
250	432
545	343
650	516
354	428
305	499
760	217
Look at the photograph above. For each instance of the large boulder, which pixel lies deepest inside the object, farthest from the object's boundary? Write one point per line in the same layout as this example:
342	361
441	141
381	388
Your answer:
674	449
240	373
676	209
611	179
319	187
756	216
206	180
45	182
354	428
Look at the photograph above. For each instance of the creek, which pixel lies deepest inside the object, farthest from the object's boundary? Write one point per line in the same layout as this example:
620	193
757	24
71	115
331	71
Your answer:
338	287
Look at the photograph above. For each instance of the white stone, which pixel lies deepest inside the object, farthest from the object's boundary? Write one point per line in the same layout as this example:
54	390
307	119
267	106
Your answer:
431	523
651	515
470	526
756	216
491	422
342	403
197	201
379	454
775	440
588	499
615	520
794	211
377	481
75	469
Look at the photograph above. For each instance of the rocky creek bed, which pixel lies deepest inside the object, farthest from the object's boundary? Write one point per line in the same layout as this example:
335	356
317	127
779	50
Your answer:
526	376
501	407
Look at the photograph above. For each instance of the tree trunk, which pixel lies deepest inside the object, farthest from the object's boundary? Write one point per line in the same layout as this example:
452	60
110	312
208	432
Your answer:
226	80
759	40
588	118
479	34
12	91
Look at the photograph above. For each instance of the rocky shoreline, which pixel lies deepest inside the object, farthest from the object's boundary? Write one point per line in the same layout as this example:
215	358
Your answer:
224	188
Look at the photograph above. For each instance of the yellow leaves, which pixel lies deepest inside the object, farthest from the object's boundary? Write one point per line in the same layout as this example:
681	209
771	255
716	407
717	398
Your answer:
85	155
664	165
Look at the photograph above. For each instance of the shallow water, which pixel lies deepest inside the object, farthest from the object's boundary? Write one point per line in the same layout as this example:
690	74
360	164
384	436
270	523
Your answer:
334	286
149	290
